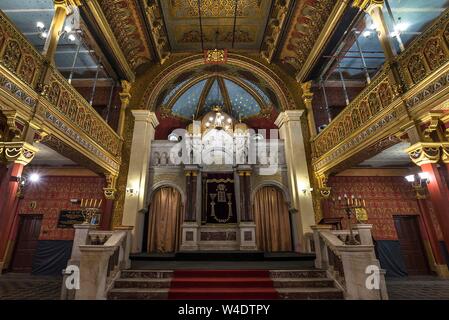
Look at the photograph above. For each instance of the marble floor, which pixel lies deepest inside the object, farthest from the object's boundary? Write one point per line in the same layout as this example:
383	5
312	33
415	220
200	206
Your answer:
418	288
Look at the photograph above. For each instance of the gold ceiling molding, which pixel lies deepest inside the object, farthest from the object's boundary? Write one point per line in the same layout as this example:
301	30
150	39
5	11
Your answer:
157	30
166	76
107	32
275	26
123	17
310	28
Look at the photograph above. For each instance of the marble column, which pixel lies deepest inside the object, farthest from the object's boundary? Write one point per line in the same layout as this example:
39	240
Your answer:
145	123
291	131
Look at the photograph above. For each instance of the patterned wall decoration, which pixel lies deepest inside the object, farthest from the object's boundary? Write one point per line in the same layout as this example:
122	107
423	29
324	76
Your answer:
127	26
53	194
385	197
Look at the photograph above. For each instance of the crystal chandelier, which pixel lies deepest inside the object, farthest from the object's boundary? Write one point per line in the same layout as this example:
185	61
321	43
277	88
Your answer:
218	120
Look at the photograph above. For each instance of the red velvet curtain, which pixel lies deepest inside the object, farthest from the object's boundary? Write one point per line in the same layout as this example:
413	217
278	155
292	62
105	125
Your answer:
165	221
272	220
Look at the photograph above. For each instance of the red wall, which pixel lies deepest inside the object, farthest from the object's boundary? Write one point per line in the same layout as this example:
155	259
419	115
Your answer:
53	194
385	197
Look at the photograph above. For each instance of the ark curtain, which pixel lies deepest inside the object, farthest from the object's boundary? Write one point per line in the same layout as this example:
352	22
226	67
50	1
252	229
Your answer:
272	221
165	221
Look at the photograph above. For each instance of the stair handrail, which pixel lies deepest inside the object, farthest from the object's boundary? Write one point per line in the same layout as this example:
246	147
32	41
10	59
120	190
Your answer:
354	268
99	263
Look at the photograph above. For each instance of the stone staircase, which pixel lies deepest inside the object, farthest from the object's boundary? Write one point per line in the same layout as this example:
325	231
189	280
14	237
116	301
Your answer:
224	284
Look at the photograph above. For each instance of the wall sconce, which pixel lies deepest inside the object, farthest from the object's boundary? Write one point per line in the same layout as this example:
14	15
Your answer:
306	189
132	192
421	179
419	182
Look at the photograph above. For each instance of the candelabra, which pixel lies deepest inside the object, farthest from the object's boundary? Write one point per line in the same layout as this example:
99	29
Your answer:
352	206
90	208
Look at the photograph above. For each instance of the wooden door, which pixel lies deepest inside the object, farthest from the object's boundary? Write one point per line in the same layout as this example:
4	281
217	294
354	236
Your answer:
412	248
27	237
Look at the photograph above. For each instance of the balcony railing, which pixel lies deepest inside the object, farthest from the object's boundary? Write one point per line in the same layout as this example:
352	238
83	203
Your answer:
374	107
26	75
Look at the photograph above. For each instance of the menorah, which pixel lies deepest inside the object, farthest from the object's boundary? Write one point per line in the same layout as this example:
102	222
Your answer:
352	206
89	209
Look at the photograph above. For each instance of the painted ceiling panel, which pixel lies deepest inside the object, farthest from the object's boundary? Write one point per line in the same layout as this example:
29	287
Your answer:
213	98
187	103
182	22
243	104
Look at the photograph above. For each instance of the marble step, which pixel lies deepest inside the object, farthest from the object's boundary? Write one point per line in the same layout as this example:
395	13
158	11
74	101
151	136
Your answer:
285	294
143	283
148	274
137	294
289	274
310	293
303	283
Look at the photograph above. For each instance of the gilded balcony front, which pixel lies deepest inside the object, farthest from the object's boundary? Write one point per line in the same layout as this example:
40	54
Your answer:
36	90
403	91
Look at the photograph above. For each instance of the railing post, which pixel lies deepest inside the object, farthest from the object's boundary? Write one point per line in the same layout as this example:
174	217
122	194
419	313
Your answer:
364	231
321	260
361	281
93	272
126	263
81	238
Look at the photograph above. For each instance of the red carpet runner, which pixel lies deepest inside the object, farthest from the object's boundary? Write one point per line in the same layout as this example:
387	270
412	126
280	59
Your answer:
221	284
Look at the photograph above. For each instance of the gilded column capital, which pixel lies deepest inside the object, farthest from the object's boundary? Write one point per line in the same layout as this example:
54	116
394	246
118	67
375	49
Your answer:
125	94
323	190
68	5
110	190
19	152
424	152
368	5
307	94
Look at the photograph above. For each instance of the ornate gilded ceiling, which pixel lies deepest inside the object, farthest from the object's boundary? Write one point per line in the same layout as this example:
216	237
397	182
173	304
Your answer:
282	31
184	31
306	25
128	28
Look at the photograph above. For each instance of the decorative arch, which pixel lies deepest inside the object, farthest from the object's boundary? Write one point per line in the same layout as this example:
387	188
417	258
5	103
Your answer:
162	184
272	183
285	99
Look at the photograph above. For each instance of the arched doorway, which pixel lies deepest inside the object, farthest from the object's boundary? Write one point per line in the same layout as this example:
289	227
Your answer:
273	230
164	223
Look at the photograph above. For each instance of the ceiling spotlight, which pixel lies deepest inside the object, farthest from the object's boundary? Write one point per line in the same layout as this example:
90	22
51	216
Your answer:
71	37
366	33
40	25
401	26
34	177
410	178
